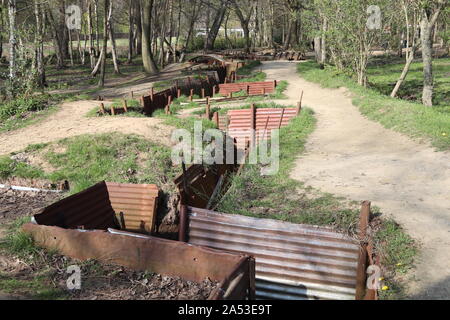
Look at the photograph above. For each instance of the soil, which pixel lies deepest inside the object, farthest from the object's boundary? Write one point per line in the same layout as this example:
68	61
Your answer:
70	120
353	157
132	285
15	204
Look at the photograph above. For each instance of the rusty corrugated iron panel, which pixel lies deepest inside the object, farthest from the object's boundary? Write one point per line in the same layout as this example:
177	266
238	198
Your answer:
201	180
239	123
138	202
166	257
293	261
102	205
251	87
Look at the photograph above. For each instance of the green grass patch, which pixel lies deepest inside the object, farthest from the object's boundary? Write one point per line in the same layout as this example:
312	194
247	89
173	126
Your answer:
397	251
280	197
88	159
408	117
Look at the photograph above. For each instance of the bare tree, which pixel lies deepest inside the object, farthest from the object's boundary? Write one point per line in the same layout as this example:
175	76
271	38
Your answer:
244	11
147	54
101	82
430	14
12	9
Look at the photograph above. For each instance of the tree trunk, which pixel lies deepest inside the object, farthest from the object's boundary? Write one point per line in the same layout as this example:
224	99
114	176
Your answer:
403	75
101	82
130	32
147	54
212	34
426	27
12	40
39	48
91	36
138	19
113	40
323	51
2	27
425	33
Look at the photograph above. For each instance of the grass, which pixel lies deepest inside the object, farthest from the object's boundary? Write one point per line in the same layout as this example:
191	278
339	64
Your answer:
280	197
411	118
283	198
133	105
87	159
383	75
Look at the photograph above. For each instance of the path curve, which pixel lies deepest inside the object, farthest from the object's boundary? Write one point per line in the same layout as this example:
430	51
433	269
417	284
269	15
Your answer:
70	120
351	156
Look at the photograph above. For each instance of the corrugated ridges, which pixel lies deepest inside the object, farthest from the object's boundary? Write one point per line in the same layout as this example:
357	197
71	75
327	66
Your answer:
318	260
138	203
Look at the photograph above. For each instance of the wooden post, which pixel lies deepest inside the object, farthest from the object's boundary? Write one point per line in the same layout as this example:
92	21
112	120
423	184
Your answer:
203	93
191	94
208	108
178	92
216	118
214	90
113	112
274	84
299	107
125	106
141	101
169	100
230	95
132	94
263	90
247	89
253	124
152	92
362	259
183	224
102	108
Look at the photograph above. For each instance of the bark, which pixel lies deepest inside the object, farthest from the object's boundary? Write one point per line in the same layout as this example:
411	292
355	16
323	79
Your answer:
39	45
138	19
91	36
2	27
245	20
113	40
101	82
12	9
130	32
426	27
214	30
323	48
147	54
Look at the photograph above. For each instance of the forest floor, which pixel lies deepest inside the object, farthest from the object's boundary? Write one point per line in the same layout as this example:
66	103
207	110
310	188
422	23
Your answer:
351	156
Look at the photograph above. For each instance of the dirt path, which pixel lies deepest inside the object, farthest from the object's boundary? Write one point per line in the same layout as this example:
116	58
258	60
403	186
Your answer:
351	156
70	120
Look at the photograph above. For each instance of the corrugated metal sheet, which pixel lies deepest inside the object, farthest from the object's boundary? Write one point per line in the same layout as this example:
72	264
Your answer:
138	203
293	261
251	87
96	207
166	257
201	182
239	123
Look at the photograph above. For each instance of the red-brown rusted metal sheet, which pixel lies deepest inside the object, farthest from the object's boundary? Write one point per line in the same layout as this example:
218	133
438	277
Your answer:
252	88
201	181
239	123
103	205
293	261
166	257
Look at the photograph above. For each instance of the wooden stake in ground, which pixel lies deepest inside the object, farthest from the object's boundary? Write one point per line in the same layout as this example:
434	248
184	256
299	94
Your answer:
125	106
208	108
